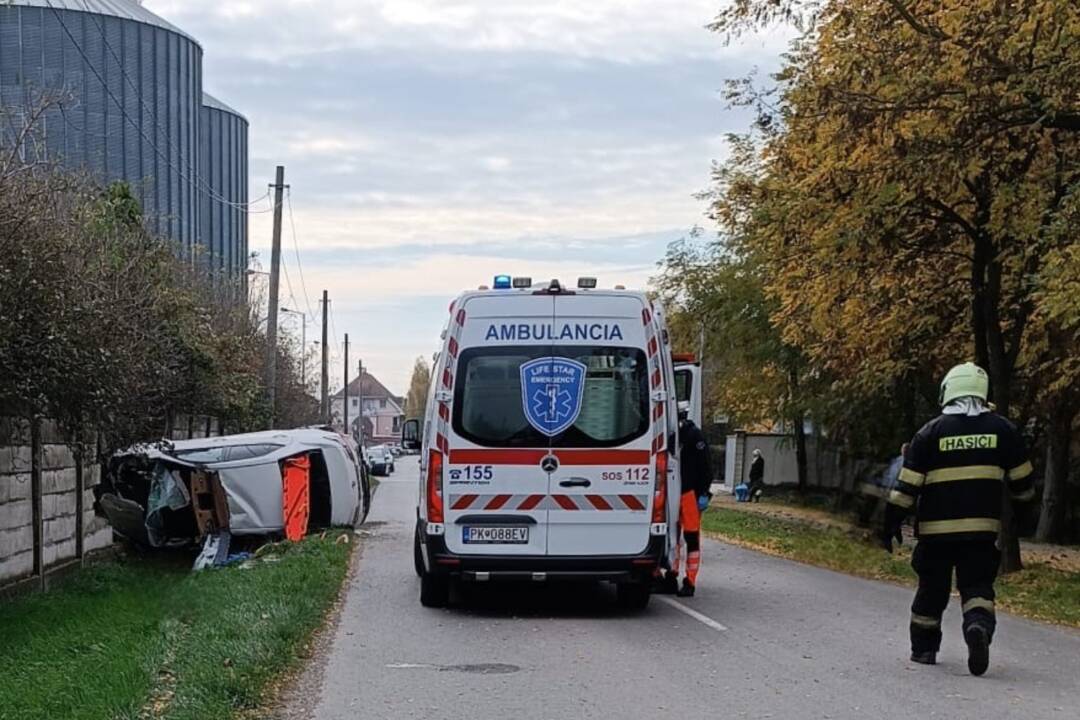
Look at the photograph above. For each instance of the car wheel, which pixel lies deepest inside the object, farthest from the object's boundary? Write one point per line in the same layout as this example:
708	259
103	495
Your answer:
633	596
434	590
418	556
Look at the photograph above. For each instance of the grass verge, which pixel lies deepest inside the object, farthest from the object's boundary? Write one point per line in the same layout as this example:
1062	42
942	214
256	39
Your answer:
147	639
1039	591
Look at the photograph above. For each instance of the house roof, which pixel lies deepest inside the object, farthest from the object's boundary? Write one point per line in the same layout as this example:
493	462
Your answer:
373	389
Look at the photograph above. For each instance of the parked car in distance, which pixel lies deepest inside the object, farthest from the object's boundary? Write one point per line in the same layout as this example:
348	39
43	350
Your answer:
380	460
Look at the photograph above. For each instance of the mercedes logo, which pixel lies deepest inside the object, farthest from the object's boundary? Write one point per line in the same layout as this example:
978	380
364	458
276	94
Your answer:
549	464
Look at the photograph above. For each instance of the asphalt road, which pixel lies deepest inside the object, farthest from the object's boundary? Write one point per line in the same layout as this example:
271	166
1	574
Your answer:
764	638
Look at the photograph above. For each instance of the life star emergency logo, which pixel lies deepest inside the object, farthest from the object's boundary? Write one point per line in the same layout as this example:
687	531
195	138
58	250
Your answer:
551	392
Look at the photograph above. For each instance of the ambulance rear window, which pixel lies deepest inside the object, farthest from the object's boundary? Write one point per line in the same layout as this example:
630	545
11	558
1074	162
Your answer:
614	406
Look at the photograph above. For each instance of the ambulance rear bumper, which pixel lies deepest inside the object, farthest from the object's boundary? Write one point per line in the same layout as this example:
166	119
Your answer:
616	568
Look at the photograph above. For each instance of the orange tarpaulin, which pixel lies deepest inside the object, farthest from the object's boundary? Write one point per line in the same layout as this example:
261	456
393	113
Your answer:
296	496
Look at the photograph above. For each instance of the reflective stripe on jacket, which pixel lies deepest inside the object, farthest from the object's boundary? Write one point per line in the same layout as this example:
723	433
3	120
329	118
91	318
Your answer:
953	472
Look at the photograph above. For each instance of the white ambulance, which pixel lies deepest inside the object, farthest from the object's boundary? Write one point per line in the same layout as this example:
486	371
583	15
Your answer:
548	448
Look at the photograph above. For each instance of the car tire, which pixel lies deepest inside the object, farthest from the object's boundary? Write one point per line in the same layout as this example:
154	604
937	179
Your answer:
434	590
633	596
418	556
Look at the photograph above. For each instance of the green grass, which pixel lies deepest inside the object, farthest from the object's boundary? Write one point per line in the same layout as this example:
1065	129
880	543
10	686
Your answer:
1038	591
149	639
825	547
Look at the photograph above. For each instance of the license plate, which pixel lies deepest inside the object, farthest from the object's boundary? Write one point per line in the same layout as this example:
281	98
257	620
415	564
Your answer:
502	535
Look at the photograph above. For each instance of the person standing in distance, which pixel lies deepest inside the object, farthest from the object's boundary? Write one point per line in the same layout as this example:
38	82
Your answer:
757	477
952	480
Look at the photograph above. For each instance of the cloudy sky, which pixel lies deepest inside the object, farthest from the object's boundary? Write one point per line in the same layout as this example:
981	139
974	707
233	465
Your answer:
431	144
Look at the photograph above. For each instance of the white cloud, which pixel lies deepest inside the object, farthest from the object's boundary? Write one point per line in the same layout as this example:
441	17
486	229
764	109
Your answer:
394	313
496	163
443	276
378	221
307	143
471	128
618	30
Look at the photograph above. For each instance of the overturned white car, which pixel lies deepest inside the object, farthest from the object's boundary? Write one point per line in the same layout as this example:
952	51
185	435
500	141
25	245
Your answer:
277	482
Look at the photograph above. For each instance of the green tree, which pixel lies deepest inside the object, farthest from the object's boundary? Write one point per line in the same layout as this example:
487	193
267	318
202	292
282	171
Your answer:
419	384
102	327
919	160
711	292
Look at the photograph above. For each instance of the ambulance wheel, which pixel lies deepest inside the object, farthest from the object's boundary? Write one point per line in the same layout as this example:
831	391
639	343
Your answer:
434	590
633	596
417	556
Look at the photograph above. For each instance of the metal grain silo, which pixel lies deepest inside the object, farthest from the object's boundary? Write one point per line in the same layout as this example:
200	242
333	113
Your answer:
133	89
223	166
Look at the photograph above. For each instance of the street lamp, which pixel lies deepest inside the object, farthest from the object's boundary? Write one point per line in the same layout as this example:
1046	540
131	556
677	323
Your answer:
303	343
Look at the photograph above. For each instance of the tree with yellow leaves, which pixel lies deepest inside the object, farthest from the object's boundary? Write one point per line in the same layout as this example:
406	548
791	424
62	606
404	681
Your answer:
917	174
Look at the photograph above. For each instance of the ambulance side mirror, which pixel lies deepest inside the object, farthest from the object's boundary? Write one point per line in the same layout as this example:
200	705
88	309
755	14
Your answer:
410	435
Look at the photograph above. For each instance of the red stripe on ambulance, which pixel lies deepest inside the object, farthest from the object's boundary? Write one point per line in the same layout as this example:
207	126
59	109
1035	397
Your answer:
565	502
533	457
497	502
463	502
530	502
598	502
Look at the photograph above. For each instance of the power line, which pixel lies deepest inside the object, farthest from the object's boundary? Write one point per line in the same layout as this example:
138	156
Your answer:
123	111
333	327
288	283
296	249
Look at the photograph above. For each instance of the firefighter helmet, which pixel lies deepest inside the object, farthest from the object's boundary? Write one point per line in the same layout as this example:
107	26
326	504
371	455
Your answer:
967	380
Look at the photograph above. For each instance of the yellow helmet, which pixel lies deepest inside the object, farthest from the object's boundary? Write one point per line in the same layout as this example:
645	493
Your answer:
967	380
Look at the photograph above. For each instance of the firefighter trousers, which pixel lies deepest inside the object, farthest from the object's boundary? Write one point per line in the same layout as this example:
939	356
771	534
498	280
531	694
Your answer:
976	565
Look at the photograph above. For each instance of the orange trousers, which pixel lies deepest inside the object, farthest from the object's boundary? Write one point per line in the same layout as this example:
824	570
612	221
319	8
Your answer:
690	522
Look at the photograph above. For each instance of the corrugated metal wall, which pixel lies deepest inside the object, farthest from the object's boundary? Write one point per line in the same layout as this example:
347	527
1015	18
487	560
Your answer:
134	106
223	162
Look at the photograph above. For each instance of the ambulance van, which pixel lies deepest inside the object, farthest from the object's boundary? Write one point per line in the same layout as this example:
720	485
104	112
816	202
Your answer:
548	450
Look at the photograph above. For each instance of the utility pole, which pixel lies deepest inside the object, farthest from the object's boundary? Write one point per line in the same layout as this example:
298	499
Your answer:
360	392
324	407
345	400
275	281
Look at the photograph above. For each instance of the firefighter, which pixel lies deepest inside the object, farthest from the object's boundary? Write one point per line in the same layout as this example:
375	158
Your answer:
952	476
695	469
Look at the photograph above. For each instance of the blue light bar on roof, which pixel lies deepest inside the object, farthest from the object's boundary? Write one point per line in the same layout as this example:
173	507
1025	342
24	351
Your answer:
503	282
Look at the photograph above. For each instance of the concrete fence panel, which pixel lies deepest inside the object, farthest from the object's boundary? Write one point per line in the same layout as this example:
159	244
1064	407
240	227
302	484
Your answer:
46	502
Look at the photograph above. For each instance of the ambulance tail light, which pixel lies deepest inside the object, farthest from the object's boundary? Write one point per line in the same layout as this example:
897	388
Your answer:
659	506
434	487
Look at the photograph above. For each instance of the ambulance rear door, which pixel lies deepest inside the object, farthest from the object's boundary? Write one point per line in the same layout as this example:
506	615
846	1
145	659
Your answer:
688	388
598	398
496	482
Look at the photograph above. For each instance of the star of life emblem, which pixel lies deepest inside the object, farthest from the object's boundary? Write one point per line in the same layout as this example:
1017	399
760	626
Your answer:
551	393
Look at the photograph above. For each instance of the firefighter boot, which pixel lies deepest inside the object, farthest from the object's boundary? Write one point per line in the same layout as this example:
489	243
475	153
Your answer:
924	658
687	589
978	642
